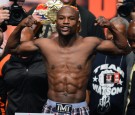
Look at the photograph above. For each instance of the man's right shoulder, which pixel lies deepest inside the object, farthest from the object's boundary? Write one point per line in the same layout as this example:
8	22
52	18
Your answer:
43	40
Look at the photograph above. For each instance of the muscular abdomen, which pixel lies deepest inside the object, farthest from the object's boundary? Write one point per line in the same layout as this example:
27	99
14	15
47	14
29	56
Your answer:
67	83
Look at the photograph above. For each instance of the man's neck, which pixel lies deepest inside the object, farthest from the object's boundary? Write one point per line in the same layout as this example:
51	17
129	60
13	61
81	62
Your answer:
65	41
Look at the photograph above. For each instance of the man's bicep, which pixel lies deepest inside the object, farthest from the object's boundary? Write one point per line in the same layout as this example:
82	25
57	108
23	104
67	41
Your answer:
108	47
27	34
24	48
27	47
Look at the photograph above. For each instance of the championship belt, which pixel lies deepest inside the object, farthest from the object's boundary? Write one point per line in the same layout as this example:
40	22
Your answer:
48	11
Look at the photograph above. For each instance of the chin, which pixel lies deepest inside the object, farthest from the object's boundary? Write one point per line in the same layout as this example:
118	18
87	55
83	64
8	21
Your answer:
65	33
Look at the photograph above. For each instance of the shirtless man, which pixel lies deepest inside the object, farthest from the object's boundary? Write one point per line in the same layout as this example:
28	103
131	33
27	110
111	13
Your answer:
68	58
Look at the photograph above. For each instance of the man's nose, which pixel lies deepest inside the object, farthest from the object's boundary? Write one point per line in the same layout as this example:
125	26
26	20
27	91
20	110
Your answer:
66	20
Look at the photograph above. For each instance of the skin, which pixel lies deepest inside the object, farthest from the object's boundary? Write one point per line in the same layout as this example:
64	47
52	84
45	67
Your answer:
132	14
4	14
121	28
68	56
131	35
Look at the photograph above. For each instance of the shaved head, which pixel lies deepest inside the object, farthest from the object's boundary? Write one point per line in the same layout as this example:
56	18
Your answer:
69	8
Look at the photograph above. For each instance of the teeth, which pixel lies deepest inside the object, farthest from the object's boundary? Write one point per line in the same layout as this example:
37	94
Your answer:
65	27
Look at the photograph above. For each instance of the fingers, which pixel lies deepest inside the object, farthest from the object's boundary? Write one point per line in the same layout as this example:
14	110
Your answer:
29	21
102	21
4	14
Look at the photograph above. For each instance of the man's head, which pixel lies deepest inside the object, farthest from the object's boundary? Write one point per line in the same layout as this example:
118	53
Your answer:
67	22
131	35
121	25
69	2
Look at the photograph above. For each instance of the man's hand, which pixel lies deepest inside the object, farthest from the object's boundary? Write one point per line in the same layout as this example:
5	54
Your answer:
28	21
37	17
4	14
103	22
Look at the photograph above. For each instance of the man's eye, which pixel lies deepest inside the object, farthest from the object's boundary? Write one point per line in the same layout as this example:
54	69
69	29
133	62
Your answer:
72	18
60	18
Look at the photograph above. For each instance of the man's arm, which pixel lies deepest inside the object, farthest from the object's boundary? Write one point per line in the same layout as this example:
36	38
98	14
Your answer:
4	15
14	44
119	40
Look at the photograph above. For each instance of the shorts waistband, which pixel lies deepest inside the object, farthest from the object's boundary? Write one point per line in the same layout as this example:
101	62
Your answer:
74	105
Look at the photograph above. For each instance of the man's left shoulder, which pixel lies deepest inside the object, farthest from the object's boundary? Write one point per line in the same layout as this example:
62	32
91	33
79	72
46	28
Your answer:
91	38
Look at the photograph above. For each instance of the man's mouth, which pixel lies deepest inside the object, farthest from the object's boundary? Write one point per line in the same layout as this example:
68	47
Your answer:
65	28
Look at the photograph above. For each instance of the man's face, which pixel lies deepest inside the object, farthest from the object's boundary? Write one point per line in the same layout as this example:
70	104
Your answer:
131	36
68	2
67	21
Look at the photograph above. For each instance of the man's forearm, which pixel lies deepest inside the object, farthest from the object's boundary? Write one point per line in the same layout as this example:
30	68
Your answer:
119	39
14	38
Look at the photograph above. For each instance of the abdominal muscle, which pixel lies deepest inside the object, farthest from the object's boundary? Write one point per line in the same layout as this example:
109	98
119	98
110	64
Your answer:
67	84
